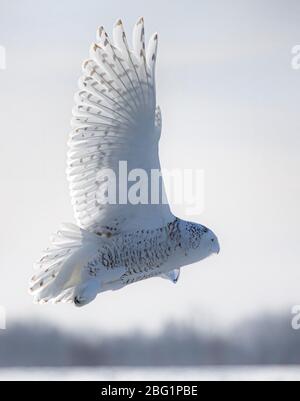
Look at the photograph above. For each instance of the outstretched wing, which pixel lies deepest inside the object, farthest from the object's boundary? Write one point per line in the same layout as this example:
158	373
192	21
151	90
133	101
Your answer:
116	120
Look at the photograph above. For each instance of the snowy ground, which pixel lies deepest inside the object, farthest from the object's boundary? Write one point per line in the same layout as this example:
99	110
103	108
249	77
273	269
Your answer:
137	374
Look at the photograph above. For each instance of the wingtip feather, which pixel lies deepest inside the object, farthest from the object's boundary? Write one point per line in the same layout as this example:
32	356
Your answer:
118	22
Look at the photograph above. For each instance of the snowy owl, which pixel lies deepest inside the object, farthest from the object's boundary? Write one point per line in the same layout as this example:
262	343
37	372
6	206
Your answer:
114	244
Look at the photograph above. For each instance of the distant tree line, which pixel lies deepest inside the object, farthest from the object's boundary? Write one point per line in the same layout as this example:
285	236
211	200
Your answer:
261	341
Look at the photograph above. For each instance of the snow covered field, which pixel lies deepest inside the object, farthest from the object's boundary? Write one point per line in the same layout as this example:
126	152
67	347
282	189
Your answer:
137	374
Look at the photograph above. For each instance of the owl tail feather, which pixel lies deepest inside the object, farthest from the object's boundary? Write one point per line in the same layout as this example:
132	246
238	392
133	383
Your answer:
59	269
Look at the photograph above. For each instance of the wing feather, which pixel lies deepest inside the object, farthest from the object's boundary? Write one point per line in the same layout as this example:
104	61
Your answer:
115	119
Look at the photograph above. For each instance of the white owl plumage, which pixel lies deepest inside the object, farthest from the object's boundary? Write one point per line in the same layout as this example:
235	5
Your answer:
115	119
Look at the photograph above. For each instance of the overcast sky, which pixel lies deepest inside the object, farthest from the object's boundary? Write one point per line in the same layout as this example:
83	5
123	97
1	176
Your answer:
230	103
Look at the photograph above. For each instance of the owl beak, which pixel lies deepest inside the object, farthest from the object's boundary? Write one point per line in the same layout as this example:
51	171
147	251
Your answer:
216	246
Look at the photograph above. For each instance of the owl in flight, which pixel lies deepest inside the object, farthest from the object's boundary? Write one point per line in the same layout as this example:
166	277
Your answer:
116	122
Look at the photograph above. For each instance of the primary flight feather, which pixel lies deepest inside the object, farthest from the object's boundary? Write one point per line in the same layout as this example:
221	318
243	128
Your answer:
116	122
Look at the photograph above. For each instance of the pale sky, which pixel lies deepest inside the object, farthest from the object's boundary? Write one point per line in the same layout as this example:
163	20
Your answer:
230	103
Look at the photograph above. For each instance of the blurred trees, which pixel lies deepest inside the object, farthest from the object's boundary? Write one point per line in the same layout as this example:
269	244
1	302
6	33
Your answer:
261	341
